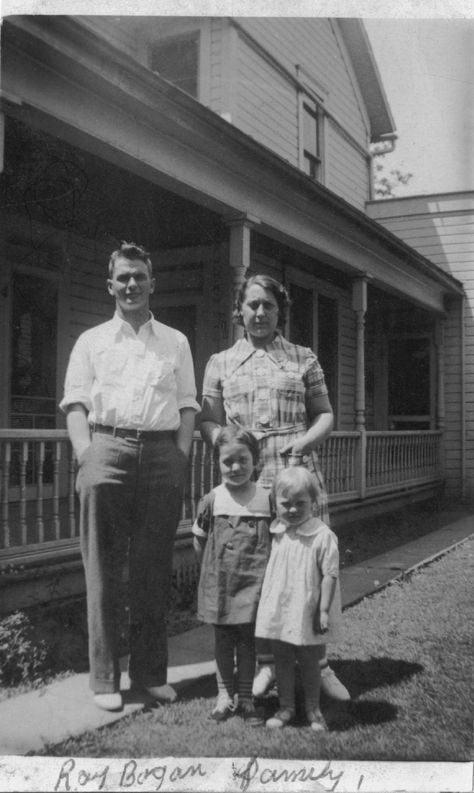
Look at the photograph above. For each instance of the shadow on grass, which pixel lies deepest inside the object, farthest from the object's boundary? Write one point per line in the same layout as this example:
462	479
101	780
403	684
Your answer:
361	676
357	675
204	687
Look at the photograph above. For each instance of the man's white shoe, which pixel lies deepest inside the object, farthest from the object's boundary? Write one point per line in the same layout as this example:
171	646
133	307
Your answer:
332	687
263	680
108	701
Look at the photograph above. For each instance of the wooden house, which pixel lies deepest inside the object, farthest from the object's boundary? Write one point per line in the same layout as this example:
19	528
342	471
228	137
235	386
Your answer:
223	146
441	227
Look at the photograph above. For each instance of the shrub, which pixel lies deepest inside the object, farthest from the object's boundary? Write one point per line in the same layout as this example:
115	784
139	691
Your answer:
23	655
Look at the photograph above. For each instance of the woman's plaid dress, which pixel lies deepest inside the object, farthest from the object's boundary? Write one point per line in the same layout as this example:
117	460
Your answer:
266	391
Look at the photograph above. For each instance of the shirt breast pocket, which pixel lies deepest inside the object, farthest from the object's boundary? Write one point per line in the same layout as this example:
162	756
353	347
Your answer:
289	384
163	378
238	393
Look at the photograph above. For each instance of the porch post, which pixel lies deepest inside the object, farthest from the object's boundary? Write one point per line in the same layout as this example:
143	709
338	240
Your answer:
359	305
240	227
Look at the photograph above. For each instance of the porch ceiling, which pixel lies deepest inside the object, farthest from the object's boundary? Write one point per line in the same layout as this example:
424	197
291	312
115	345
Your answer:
76	85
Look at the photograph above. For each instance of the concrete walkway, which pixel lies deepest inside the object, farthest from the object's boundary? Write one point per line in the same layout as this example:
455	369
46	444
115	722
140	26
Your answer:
65	708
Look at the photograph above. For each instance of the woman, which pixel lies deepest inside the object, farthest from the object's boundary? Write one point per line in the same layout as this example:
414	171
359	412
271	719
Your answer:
275	389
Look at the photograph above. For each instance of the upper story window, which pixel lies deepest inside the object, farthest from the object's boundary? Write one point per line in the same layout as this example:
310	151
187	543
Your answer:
177	60
311	138
311	143
312	96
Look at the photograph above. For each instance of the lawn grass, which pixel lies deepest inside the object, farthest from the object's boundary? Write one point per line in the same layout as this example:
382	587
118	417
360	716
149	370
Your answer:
406	656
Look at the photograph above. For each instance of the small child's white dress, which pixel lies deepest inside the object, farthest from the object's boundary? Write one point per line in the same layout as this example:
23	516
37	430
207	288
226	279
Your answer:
292	584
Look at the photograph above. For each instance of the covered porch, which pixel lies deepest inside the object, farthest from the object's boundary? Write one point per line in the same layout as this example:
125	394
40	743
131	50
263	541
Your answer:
211	204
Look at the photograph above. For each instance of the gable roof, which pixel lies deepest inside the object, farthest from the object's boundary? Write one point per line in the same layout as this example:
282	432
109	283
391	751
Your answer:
365	67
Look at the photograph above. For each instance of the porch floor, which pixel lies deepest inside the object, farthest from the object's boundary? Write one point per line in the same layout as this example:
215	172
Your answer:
65	708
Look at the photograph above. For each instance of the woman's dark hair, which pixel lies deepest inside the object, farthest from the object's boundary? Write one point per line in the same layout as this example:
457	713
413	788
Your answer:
233	433
271	285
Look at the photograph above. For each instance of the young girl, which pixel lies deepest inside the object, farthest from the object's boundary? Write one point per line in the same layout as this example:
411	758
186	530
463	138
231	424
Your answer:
300	604
231	534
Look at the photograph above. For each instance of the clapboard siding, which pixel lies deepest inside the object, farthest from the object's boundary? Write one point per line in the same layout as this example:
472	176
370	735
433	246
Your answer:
216	57
346	170
240	83
266	104
453	397
312	44
441	227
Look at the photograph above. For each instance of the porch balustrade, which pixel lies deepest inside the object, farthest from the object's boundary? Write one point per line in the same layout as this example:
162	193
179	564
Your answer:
399	459
38	506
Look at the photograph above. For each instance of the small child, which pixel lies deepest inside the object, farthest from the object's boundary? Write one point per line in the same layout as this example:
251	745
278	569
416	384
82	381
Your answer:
231	535
300	605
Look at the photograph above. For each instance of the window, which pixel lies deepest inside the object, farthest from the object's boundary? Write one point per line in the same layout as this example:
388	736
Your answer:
177	60
33	353
313	322
409	383
311	139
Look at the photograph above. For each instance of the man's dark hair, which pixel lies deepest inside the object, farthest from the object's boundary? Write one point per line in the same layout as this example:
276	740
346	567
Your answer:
130	251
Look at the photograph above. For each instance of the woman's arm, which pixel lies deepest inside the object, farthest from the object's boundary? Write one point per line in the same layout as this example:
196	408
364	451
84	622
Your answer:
212	418
321	423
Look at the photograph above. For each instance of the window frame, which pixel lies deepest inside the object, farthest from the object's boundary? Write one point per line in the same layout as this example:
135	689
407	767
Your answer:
312	96
182	36
318	288
310	108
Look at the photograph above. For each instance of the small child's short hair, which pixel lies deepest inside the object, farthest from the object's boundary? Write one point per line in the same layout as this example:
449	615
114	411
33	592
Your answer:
296	477
233	433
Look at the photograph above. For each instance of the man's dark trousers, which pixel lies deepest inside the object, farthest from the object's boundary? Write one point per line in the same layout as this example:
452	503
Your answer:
130	495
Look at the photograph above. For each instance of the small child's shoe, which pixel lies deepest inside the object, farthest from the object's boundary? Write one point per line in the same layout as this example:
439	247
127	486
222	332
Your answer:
250	714
281	718
316	720
263	680
224	708
332	687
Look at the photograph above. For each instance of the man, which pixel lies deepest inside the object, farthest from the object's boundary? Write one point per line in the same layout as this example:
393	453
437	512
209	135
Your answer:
130	399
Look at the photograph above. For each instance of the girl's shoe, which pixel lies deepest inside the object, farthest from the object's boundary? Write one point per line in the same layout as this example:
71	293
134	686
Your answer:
332	687
250	714
224	708
316	720
263	680
281	718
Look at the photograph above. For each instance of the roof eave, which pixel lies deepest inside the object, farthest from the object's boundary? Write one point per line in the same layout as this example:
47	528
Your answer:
370	82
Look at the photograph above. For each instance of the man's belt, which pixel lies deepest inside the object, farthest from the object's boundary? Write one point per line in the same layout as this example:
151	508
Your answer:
138	435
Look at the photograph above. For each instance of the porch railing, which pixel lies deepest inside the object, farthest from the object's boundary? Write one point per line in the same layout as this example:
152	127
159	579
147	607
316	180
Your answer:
38	506
396	460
